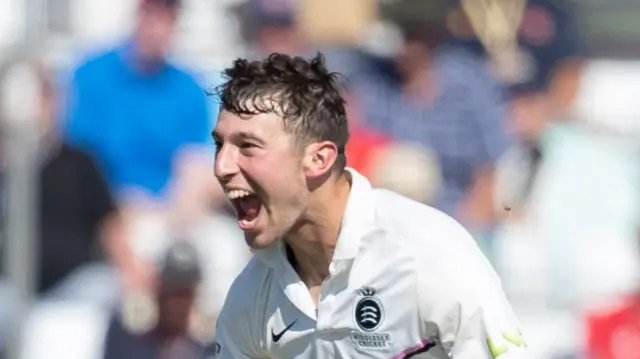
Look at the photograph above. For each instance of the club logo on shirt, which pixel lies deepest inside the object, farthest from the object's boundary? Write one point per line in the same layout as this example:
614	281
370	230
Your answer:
369	312
369	315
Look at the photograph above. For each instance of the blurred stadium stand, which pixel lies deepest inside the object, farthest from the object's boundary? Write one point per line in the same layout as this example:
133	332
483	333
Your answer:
566	205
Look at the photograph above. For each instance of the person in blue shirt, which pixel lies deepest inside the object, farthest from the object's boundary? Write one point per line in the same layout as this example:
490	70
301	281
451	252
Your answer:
145	121
135	111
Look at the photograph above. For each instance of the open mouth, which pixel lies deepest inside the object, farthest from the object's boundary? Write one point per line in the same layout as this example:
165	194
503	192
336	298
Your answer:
247	206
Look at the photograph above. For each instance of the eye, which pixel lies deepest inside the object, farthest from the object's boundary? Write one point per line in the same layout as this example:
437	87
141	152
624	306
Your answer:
247	145
248	148
217	145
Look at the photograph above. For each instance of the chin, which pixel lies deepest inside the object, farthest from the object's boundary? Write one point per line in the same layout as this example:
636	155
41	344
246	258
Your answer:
259	240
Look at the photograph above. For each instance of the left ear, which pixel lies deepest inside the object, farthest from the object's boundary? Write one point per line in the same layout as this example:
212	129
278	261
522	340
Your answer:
319	158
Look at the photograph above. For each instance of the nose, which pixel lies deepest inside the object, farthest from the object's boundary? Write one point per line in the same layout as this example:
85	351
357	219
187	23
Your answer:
225	166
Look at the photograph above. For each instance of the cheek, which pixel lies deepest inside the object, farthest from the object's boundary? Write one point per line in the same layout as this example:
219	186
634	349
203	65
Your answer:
275	169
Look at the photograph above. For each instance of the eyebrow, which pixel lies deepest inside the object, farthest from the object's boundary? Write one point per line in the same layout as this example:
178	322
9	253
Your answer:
241	135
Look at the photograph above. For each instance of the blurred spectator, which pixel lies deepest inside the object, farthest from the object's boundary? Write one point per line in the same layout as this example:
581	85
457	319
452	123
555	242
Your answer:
548	36
135	111
546	83
160	327
147	123
76	215
269	26
549	33
76	207
531	110
444	98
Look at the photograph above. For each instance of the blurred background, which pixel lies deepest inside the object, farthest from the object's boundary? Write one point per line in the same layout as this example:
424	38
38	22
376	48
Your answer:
520	118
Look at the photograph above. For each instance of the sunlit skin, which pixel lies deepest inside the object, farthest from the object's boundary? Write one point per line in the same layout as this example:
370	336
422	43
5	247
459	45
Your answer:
302	197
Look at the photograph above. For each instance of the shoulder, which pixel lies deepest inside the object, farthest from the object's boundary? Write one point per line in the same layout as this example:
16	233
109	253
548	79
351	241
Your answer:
185	77
76	153
244	294
189	87
72	156
238	327
95	62
417	224
447	257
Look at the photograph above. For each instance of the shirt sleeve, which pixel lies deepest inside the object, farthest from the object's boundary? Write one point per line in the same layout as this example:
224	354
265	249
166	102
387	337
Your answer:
232	344
466	302
235	333
79	111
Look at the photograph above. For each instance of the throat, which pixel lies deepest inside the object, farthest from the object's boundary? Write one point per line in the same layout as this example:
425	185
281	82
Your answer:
291	258
312	270
313	282
311	244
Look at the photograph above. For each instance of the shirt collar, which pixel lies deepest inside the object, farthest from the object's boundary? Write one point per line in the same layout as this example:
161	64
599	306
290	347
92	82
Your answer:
356	220
130	56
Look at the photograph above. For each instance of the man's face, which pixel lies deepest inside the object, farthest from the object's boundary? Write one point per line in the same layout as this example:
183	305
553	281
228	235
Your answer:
261	169
156	27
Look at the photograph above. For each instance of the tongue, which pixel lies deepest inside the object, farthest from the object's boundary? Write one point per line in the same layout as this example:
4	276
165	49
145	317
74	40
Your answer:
250	205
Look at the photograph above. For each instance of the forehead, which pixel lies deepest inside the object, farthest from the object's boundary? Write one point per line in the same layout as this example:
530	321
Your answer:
264	125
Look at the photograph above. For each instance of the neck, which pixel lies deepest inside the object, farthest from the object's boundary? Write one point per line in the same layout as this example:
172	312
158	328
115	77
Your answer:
313	242
141	60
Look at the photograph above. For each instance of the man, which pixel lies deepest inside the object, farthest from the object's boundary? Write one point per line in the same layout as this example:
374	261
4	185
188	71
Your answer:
169	335
549	36
76	215
340	270
142	118
138	113
270	26
443	97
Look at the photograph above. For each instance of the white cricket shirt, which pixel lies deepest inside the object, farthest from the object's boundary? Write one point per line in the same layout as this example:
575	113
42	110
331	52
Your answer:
406	281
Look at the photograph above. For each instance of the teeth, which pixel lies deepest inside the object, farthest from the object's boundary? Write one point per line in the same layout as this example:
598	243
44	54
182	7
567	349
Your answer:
238	193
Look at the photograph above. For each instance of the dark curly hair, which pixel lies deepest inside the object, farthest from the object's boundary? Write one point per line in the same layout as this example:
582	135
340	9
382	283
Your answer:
303	92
